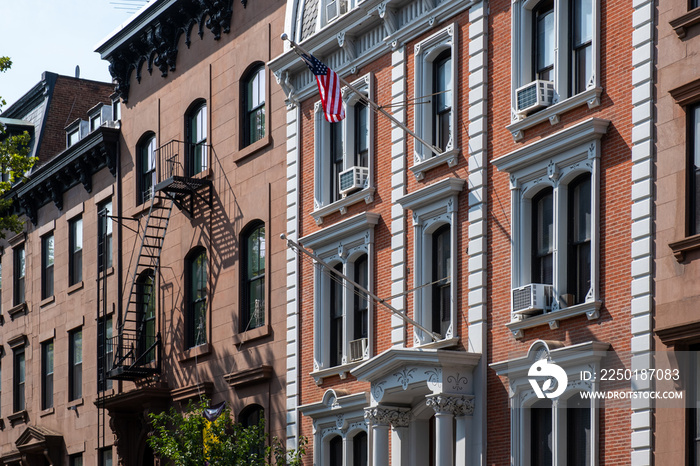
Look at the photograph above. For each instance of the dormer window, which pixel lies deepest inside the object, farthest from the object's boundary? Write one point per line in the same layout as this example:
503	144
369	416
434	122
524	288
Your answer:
95	122
73	137
76	131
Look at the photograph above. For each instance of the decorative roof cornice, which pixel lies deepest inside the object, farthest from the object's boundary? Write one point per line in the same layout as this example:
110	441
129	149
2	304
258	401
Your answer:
152	37
76	164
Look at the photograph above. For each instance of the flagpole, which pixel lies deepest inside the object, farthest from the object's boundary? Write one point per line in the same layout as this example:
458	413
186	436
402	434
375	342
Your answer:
294	245
371	103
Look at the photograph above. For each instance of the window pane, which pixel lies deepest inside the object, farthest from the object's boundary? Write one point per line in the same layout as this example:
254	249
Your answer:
360	323
441	266
336	156
583	21
544	42
359	449
578	432
541	431
336	451
694	176
76	251
543	240
361	135
336	316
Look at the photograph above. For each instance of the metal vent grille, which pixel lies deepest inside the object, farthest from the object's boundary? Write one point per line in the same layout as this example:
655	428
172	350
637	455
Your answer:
527	96
522	297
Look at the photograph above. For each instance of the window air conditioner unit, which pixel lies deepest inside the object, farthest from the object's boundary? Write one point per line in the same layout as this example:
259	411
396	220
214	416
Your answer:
335	8
538	94
352	179
357	349
532	299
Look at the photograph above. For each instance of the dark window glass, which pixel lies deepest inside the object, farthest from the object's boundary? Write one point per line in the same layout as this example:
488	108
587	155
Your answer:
544	41
543	237
359	449
197	299
75	246
147	169
105	352
75	460
47	374
694	3
361	303
541	432
95	122
197	140
442	100
441	280
104	235
106	457
252	416
75	364
47	260
254	122
19	274
336	135
582	40
361	135
578	432
693	405
19	379
579	260
253	286
336	317
694	172
335	447
147	317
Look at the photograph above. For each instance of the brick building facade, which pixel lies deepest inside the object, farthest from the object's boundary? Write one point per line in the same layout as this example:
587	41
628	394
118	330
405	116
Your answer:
542	185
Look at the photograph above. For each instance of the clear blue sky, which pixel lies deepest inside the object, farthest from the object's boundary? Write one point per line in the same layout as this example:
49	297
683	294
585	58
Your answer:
55	35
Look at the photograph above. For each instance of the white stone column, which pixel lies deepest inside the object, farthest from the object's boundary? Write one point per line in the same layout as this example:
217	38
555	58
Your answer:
379	421
446	407
399	437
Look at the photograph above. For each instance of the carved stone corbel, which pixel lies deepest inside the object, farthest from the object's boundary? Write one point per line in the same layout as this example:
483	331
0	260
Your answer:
348	45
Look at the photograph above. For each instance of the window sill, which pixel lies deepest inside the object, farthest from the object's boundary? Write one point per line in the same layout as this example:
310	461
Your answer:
421	167
342	205
73	405
591	309
589	96
195	352
681	24
250	149
15	311
251	335
341	371
47	301
75	287
684	246
16	418
47	412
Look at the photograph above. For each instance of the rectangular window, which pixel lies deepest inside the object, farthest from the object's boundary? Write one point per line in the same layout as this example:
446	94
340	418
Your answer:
106	456
336	155
105	354
19	272
541	432
75	246
47	260
336	317
95	122
75	460
47	374
73	137
18	379
694	172
104	235
75	364
441	292
578	431
361	135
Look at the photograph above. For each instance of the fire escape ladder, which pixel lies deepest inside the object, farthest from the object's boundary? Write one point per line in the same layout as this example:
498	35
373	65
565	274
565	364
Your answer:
136	352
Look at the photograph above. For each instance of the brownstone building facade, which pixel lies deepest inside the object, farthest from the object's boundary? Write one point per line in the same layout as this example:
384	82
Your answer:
677	265
49	306
200	195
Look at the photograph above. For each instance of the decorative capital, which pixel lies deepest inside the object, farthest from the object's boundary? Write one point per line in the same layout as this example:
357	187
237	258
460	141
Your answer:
455	405
381	416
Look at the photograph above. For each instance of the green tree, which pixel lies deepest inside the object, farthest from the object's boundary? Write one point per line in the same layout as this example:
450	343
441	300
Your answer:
15	161
180	438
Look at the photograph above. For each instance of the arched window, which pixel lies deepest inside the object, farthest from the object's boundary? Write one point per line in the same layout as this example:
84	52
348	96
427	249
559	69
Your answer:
253	277
146	315
359	449
254	105
335	448
442	99
441	279
543	237
196	138
251	415
146	166
196	309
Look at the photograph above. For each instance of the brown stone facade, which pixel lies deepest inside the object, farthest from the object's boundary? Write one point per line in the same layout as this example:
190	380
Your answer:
677	245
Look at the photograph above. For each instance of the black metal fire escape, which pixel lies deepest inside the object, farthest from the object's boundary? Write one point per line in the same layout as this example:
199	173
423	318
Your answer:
137	347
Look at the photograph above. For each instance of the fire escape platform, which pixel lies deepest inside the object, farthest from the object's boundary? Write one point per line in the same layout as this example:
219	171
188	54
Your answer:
184	190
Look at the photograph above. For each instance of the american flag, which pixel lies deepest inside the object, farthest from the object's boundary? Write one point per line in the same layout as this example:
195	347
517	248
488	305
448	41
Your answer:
328	87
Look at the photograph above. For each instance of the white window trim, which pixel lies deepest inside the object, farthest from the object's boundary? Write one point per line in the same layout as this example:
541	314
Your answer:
433	206
554	161
342	242
425	52
573	359
337	415
521	60
322	207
